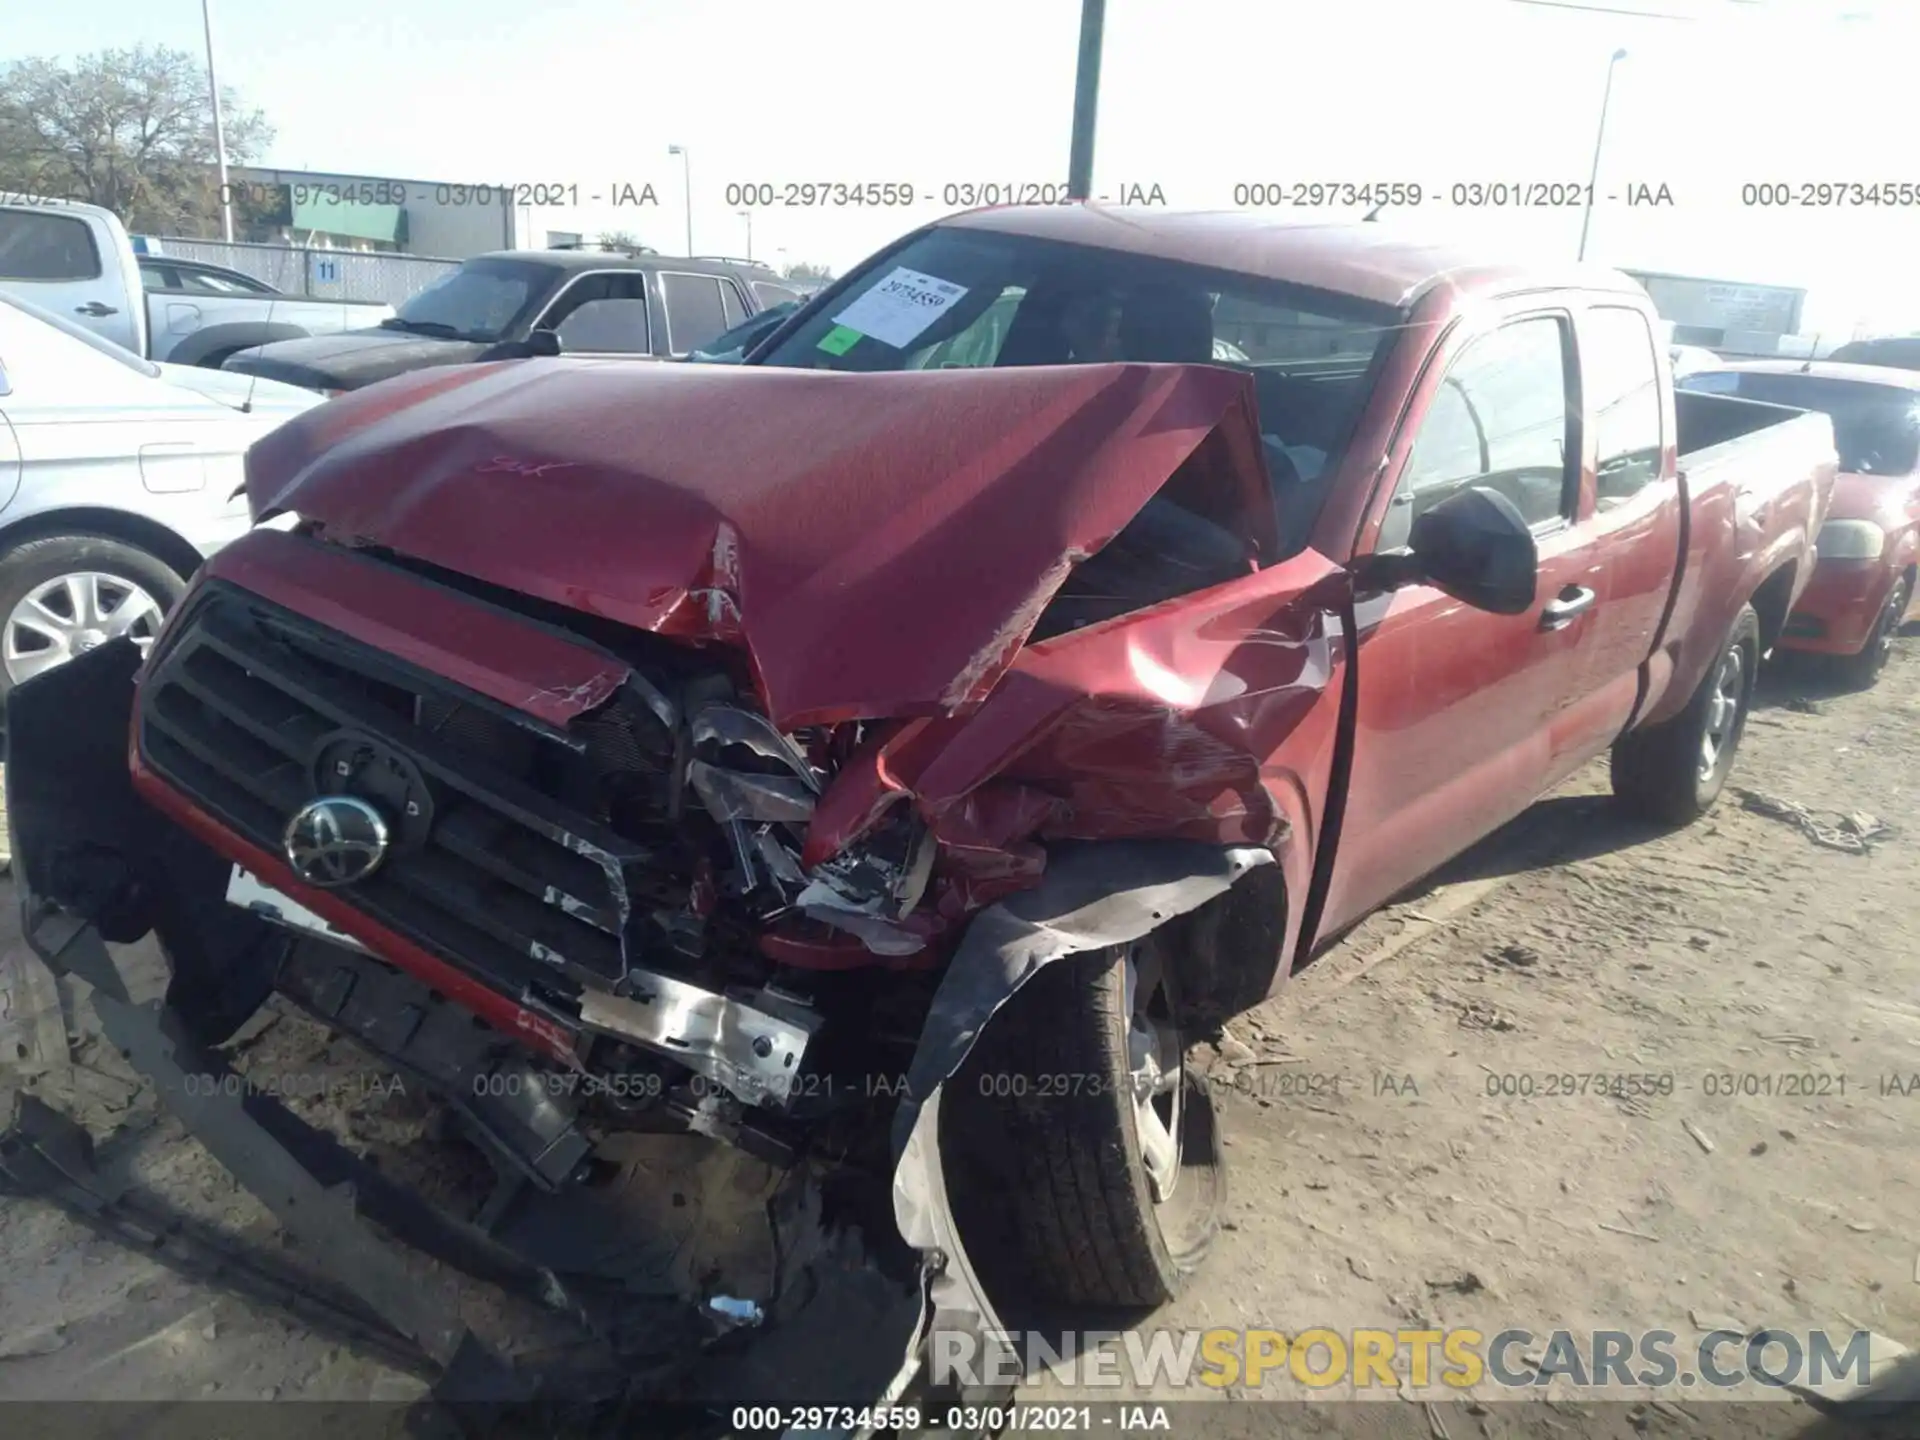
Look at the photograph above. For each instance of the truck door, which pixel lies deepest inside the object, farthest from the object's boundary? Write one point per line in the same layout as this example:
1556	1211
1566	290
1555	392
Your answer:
1631	518
1456	706
57	261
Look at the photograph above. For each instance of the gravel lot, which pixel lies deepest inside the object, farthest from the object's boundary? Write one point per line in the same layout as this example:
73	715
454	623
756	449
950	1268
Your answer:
1398	1155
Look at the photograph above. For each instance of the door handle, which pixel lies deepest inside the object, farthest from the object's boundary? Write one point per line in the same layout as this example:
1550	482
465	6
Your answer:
1566	607
95	308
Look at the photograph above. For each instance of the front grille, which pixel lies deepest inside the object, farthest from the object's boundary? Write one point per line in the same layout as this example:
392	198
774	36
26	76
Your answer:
531	850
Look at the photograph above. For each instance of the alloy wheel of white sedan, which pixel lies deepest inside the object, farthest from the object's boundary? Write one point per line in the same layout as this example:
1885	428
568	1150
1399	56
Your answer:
72	614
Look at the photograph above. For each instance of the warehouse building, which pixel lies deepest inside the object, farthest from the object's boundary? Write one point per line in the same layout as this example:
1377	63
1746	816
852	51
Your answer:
324	209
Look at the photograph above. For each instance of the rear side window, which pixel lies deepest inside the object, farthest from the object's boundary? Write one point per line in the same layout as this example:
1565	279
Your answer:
696	313
1622	381
1501	420
772	295
214	282
46	247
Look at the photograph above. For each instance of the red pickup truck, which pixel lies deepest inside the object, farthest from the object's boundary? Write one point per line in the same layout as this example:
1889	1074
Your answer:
1055	633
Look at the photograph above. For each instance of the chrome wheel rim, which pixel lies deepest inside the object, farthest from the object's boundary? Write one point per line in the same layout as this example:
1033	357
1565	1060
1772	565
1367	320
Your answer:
1157	1069
1723	711
72	614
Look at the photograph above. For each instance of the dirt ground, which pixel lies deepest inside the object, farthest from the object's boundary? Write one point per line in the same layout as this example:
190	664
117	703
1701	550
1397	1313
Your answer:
1402	1154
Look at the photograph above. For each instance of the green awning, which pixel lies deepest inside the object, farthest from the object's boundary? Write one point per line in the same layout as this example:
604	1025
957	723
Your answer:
336	216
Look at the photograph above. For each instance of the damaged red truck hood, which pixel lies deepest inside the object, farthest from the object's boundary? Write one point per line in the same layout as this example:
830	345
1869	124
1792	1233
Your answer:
880	545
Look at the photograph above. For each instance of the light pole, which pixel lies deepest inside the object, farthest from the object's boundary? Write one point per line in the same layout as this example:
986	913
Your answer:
219	128
686	181
1599	139
1086	99
747	215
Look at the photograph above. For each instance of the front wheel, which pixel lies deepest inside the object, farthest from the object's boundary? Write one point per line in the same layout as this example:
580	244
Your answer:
1115	1176
1672	773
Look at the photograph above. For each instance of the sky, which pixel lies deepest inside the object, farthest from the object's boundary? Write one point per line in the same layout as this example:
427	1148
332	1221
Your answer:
1196	98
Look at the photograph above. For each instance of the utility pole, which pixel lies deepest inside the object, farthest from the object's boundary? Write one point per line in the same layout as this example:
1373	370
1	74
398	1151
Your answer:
219	127
686	182
747	215
1599	140
1086	99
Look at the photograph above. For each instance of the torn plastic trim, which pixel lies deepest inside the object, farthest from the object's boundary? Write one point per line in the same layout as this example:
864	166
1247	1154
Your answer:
730	725
882	937
863	892
732	795
1094	894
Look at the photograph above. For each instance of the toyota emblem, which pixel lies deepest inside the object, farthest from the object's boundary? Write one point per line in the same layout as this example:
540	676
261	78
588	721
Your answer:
335	840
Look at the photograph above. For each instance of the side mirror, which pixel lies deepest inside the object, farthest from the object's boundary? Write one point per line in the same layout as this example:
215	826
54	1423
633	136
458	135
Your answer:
1478	548
542	344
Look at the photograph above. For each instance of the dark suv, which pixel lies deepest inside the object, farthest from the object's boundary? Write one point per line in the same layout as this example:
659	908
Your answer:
1898	352
517	303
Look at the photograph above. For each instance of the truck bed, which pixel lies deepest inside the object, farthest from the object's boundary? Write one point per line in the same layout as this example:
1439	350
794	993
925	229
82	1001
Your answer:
1762	474
190	328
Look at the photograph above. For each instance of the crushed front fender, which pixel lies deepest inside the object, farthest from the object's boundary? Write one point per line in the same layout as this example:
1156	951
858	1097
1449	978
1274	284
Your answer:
1093	895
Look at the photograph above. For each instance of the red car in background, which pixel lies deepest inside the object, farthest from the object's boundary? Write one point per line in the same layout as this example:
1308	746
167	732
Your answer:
1863	586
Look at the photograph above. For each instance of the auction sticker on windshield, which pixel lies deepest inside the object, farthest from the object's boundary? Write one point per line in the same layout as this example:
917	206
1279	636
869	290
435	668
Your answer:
902	305
839	340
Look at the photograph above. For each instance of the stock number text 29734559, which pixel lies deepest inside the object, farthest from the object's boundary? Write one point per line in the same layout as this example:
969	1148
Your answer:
818	194
1267	194
1832	194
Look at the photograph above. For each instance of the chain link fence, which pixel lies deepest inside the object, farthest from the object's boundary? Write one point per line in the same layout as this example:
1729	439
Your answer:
317	274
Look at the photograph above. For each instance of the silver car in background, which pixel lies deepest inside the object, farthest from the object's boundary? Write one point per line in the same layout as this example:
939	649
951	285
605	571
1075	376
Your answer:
117	476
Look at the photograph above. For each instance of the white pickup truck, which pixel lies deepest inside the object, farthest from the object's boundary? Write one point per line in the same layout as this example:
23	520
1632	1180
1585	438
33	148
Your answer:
77	260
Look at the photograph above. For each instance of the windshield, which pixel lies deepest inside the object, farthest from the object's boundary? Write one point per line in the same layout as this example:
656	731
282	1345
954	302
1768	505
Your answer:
91	339
952	299
1876	428
482	300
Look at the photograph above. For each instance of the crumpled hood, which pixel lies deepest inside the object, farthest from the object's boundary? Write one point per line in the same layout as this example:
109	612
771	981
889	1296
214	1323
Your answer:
881	545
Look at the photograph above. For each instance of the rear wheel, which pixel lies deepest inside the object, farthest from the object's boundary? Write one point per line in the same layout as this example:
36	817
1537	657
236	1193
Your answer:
63	595
1673	772
1116	1176
1861	671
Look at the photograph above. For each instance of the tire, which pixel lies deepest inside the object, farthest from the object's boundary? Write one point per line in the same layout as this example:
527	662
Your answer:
1079	1195
29	568
1862	670
1662	774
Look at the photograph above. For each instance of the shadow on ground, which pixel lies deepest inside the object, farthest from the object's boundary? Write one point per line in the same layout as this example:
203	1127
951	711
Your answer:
1554	831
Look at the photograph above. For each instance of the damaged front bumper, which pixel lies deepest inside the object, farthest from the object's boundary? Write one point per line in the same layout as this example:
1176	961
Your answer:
94	863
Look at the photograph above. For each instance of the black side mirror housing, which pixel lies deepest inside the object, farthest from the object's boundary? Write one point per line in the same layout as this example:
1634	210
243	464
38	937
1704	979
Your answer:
1477	547
542	344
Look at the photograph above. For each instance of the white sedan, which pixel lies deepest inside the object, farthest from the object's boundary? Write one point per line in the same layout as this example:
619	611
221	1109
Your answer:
117	476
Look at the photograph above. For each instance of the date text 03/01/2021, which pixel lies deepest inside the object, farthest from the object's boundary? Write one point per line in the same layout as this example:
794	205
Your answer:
619	193
1463	194
960	1419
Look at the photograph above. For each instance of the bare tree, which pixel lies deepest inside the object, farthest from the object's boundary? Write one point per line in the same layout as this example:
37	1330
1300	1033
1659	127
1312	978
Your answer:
620	240
806	270
128	129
